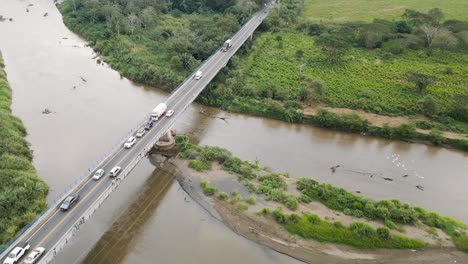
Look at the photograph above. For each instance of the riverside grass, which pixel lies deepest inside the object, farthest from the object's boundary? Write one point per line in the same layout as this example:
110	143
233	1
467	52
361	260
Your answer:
272	185
372	80
22	192
364	10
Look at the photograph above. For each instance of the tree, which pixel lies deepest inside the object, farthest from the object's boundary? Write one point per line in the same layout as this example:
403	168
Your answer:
312	90
428	105
148	15
403	27
332	46
463	37
430	33
460	110
445	41
435	15
305	94
421	80
416	18
133	23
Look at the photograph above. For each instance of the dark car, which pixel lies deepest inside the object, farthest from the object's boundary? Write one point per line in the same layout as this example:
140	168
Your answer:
69	202
149	125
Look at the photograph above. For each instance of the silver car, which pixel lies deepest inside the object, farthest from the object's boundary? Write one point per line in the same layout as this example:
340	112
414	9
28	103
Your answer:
98	174
34	255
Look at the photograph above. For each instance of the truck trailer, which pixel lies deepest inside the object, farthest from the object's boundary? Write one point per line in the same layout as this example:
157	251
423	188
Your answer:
158	111
227	44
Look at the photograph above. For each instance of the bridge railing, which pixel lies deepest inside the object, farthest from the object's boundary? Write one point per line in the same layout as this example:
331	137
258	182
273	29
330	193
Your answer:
67	236
39	219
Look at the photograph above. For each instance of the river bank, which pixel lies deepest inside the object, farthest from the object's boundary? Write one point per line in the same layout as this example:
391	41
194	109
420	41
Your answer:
268	233
23	192
246	220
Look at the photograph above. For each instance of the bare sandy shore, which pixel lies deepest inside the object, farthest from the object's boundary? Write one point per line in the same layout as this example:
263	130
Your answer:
267	232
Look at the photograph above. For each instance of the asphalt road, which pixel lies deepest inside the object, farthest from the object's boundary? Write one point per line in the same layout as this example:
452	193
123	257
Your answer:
47	234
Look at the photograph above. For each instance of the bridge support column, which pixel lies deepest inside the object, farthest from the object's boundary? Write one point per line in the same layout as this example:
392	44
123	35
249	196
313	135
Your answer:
163	149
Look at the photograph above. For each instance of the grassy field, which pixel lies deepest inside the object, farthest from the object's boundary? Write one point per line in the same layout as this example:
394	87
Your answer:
366	10
22	192
371	80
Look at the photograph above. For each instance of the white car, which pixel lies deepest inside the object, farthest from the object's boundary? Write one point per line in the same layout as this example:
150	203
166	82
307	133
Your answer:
140	133
114	171
98	174
34	255
170	113
198	75
16	254
130	142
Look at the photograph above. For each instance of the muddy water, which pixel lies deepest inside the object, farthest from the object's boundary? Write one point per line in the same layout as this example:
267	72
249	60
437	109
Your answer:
150	217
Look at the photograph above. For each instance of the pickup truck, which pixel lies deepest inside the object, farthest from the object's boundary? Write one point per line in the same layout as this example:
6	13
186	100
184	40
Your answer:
16	254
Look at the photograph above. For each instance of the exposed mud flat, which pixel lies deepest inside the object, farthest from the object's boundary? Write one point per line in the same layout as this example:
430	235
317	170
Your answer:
267	232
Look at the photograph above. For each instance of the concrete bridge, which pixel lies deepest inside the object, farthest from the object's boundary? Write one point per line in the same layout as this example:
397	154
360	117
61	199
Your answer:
54	228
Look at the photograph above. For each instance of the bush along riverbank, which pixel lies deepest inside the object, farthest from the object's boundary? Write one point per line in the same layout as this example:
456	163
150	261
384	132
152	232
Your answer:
22	192
327	213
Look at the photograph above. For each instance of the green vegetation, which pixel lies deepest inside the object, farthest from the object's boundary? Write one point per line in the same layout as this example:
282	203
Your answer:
339	11
223	196
235	199
242	207
357	234
156	42
251	200
207	188
388	212
22	192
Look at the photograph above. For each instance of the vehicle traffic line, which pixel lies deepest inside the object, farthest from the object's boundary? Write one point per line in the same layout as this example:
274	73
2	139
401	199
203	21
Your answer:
84	198
89	180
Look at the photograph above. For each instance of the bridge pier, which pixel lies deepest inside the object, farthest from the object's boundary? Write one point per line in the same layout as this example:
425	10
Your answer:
164	149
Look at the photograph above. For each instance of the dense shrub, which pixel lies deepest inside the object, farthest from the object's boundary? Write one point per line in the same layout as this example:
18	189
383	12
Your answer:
358	234
242	207
223	196
361	229
383	233
279	216
291	202
250	200
235	199
305	198
200	165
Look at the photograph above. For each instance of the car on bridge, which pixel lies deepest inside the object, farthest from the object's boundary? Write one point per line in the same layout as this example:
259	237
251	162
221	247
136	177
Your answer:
198	75
34	255
16	254
149	125
130	142
170	113
114	171
98	174
69	202
140	133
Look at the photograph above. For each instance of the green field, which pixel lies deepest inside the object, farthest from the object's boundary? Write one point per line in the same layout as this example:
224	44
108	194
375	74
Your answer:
22	192
366	10
371	80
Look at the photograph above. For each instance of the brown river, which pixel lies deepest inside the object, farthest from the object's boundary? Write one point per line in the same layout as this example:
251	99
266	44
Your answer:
150	219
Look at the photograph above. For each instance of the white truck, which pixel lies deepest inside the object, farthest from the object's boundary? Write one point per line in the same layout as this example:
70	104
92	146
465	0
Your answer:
16	254
158	111
227	44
